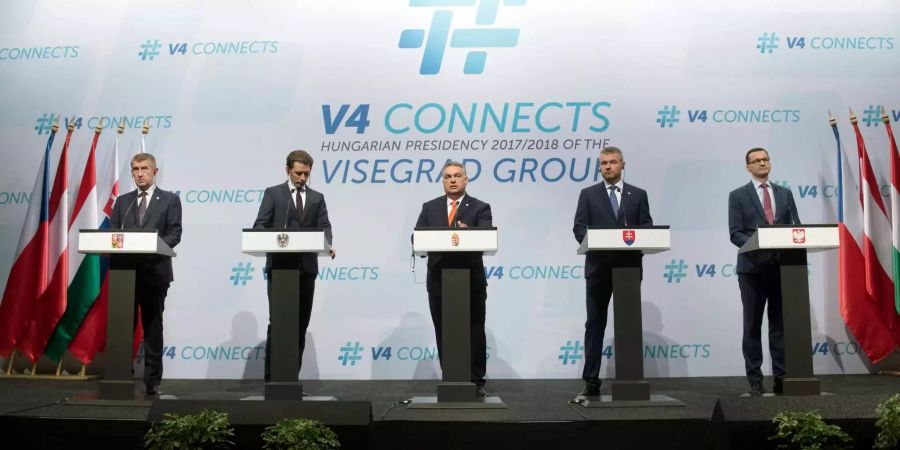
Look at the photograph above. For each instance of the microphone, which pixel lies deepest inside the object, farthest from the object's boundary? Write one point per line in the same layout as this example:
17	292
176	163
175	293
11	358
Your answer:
287	209
125	216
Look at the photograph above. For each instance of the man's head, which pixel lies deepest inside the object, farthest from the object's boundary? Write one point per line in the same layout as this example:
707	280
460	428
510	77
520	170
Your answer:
143	170
298	166
758	163
611	164
454	178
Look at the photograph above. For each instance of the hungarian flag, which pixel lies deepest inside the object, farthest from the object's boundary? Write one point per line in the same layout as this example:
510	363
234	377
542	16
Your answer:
91	336
51	305
895	206
865	262
84	270
28	275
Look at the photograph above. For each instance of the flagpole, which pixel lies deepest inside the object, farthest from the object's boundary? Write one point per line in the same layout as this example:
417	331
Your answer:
840	175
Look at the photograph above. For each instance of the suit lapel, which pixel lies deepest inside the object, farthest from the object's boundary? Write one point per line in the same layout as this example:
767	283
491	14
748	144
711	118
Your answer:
152	207
754	199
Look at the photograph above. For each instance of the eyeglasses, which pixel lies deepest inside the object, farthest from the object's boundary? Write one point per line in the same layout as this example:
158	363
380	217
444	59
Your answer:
759	161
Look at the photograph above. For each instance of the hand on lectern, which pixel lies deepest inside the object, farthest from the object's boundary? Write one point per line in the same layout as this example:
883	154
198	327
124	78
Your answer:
460	224
332	252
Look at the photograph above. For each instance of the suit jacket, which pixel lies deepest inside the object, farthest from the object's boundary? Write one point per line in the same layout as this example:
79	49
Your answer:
472	212
164	215
595	210
277	211
745	215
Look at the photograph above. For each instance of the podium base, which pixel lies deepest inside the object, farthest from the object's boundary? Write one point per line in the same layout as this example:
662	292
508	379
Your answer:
635	390
476	403
307	398
802	386
607	401
117	390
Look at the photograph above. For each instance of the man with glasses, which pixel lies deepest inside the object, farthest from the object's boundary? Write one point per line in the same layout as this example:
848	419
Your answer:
756	203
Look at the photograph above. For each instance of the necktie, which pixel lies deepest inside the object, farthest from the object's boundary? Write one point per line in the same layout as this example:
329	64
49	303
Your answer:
142	208
452	213
299	204
767	204
613	200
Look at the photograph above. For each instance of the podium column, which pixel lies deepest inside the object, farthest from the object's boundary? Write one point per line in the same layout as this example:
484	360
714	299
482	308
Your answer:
285	346
799	379
118	381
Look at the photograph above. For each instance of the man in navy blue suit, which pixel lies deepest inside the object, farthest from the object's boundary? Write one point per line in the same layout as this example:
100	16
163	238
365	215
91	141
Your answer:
458	209
149	207
612	203
756	203
294	205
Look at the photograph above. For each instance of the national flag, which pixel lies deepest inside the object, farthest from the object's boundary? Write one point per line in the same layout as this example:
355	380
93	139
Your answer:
864	253
895	206
28	275
84	270
51	305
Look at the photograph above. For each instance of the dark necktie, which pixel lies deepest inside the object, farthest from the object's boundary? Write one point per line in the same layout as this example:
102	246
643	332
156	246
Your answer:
767	205
299	199
613	200
142	208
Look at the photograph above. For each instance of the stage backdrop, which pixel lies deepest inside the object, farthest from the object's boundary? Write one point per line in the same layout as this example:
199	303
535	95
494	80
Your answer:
524	92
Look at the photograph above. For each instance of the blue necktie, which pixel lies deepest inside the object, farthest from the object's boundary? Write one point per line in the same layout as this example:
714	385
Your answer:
613	200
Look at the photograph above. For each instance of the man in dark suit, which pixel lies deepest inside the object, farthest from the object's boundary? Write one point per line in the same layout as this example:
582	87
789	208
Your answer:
294	205
756	203
149	207
458	209
612	203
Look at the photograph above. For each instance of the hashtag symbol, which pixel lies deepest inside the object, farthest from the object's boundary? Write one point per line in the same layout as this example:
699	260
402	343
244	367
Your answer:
241	273
44	124
149	50
767	43
872	114
675	271
350	353
668	116
571	353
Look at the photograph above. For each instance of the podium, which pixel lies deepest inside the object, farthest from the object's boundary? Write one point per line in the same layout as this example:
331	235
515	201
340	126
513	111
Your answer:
456	390
791	243
284	307
121	246
629	389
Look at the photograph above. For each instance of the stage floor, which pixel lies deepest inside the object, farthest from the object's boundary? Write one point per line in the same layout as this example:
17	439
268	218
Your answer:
539	413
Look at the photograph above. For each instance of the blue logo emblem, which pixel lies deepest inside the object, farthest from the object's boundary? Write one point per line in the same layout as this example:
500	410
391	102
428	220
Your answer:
675	271
241	273
872	116
767	43
149	50
436	37
350	353
668	116
571	353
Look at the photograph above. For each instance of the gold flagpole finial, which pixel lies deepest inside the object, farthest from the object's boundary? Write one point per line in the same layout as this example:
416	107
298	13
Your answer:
99	128
831	120
121	128
884	115
71	125
55	126
853	117
146	128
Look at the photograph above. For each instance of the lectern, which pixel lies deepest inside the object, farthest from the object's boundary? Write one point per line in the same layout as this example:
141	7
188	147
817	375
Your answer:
456	390
284	310
629	388
125	248
790	243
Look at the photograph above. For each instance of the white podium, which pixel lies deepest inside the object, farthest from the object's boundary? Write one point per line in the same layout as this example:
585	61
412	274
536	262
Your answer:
124	248
629	389
790	244
284	310
456	390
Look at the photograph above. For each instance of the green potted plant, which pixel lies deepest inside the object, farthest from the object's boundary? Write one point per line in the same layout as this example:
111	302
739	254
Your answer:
888	423
297	434
807	430
205	430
